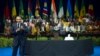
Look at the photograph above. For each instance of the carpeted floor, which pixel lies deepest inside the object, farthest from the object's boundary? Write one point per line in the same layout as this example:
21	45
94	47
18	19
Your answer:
8	51
96	51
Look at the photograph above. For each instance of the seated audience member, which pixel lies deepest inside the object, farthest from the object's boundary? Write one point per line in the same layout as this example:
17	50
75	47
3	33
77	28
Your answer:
47	26
72	28
33	30
7	28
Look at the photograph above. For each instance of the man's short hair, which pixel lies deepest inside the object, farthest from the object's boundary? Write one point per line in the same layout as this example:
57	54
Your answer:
18	16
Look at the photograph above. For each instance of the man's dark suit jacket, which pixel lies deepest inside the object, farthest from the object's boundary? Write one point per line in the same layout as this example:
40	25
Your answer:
20	35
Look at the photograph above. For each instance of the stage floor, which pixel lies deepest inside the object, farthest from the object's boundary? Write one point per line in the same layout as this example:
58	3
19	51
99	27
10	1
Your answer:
8	51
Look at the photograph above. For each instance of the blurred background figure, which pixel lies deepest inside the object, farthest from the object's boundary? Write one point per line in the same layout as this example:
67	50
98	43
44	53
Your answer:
7	28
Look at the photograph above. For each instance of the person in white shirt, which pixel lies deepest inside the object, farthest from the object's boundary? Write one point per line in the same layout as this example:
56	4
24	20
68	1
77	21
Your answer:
72	28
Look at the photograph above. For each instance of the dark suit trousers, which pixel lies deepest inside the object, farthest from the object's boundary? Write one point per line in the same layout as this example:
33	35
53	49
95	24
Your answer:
18	43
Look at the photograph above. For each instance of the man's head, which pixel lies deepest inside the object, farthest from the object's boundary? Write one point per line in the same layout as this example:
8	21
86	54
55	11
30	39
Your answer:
18	19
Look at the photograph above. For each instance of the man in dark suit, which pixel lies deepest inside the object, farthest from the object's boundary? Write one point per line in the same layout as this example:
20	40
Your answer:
19	31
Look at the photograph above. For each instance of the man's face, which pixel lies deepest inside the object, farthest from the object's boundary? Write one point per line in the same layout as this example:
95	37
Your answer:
18	19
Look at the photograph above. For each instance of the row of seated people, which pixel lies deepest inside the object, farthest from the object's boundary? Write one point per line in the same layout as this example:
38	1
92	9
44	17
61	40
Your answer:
53	30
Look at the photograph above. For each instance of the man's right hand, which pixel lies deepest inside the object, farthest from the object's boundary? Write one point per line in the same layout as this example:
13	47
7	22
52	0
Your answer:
18	29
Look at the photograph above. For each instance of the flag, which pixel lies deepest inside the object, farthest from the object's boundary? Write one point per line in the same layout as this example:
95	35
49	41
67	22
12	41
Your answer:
37	8
45	10
29	8
53	11
14	13
82	11
69	9
7	12
21	9
61	10
76	10
90	10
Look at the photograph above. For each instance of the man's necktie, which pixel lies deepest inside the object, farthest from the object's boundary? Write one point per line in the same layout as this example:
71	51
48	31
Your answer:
18	25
